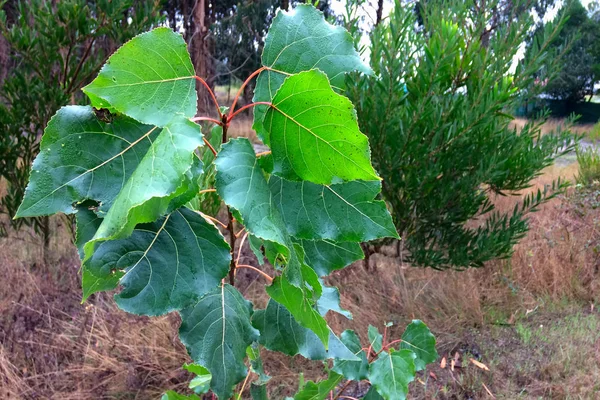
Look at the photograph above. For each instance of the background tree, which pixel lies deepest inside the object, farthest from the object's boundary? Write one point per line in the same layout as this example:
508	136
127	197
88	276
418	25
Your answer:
436	113
580	70
54	48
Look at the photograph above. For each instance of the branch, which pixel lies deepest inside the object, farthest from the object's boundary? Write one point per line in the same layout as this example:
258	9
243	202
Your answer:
266	276
206	142
212	94
232	116
196	119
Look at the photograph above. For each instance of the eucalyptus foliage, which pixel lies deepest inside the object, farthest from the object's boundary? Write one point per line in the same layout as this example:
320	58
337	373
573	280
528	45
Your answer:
436	112
129	168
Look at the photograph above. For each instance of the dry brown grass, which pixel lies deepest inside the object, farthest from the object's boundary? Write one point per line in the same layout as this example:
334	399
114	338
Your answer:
552	124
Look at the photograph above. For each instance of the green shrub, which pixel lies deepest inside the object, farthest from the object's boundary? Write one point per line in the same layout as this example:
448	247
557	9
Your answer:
588	159
436	117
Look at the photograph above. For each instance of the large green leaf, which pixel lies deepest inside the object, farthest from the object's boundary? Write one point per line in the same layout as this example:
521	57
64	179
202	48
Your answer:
314	134
352	370
82	158
343	212
301	40
391	373
163	266
325	256
150	78
217	331
87	223
320	390
165	179
242	185
280	332
418	338
375	338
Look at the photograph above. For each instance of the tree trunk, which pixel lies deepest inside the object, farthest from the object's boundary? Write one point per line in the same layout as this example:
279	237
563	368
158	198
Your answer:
202	54
285	5
379	11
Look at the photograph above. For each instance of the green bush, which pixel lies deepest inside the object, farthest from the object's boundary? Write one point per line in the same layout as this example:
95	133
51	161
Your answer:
436	116
588	159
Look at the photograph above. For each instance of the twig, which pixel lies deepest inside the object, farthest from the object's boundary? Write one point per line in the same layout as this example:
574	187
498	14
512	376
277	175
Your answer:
266	276
212	149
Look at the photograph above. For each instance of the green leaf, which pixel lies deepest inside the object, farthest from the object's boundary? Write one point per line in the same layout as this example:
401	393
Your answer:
325	256
300	304
391	373
242	185
82	158
217	331
314	44
418	338
162	266
320	390
201	383
314	134
150	78
258	392
375	338
256	247
253	352
280	332
372	394
87	224
344	212
165	179
352	370
172	395
330	301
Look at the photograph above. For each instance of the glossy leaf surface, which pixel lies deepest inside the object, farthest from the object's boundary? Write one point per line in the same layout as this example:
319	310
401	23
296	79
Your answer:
300	40
314	134
150	78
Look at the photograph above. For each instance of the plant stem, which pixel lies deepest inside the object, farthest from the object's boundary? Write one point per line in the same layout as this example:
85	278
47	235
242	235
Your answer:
212	94
266	103
264	274
212	149
240	90
232	236
343	388
215	121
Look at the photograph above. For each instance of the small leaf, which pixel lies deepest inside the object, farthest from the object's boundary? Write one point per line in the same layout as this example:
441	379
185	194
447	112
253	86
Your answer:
391	373
172	395
162	266
150	78
320	390
330	301
375	339
165	179
418	338
372	394
82	158
87	224
344	212
253	352
314	134
352	370
201	383
314	44
325	256
217	331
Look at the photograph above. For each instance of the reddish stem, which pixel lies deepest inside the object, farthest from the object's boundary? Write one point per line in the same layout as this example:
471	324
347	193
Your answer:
232	116
267	277
196	119
240	90
206	142
212	94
